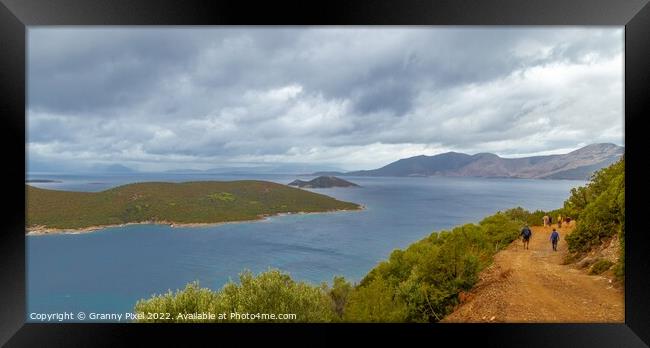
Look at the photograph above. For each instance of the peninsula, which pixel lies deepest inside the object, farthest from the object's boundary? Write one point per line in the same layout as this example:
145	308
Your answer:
189	203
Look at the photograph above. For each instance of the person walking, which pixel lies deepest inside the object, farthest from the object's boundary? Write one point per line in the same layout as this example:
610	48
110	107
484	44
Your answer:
555	237
525	234
545	219
559	221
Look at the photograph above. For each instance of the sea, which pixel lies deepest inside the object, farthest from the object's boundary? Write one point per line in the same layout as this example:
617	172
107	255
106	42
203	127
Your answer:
109	270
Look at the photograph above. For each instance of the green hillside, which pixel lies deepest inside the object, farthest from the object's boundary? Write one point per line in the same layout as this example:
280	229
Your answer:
599	208
189	202
421	283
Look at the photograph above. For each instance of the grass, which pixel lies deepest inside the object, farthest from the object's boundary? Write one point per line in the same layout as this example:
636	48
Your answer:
189	202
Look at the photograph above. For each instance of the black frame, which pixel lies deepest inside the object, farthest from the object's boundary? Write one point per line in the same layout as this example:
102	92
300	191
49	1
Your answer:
15	15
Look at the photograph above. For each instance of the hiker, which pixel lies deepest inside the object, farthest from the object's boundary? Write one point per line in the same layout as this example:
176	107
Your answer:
559	221
525	235
546	220
555	237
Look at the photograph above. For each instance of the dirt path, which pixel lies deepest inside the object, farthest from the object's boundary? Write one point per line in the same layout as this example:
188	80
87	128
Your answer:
533	286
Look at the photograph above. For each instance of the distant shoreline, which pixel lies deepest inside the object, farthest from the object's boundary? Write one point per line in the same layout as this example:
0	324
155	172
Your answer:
44	230
441	176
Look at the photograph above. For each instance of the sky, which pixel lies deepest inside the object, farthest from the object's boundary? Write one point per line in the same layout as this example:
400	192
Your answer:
347	98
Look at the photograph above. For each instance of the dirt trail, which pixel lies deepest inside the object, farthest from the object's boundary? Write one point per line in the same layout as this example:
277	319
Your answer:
533	286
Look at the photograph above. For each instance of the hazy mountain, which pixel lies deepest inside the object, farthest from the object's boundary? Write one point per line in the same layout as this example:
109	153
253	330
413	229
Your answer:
111	168
80	167
326	173
279	168
184	171
578	164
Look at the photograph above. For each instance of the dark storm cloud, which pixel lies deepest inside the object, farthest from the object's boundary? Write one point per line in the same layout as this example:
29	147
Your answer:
74	71
354	97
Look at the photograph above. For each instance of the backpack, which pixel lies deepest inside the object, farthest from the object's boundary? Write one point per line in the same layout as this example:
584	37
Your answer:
526	233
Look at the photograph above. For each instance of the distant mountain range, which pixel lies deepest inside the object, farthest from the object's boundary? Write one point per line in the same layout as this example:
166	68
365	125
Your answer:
281	168
578	165
112	168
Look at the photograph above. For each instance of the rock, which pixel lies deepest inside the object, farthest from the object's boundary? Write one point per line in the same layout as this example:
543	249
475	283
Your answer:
611	250
586	262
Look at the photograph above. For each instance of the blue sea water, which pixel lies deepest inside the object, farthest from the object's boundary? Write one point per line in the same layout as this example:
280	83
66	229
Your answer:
107	271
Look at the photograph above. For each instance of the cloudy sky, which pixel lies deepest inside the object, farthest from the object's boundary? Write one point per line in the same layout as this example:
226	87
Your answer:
342	97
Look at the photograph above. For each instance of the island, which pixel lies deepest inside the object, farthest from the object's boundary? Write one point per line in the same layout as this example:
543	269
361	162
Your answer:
323	182
175	204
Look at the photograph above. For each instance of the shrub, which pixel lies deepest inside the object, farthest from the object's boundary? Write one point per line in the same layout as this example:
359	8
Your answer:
339	293
375	302
422	283
600	266
600	206
271	292
535	218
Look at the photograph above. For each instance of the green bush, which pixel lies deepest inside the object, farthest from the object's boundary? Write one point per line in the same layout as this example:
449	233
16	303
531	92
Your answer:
271	292
620	265
339	293
600	208
601	266
518	214
535	218
422	283
500	229
375	302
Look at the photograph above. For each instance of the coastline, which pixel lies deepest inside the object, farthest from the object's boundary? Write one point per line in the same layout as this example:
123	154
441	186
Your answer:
41	230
